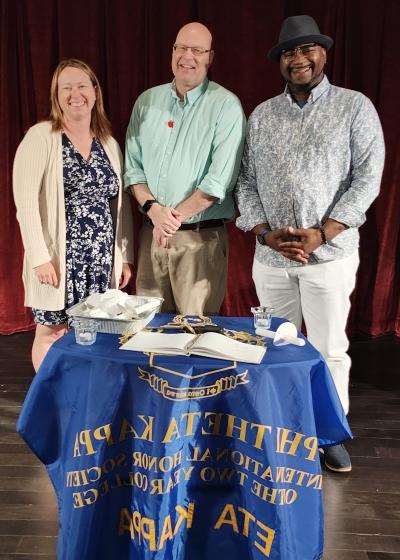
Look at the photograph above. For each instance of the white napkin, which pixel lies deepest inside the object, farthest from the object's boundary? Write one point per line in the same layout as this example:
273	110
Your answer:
286	333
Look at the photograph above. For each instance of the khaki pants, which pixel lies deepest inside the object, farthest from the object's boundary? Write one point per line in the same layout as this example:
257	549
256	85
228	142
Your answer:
190	274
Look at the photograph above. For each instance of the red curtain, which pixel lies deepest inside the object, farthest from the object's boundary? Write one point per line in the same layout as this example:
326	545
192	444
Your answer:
128	43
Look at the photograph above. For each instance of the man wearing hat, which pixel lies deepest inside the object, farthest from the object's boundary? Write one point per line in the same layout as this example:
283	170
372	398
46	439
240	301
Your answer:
312	166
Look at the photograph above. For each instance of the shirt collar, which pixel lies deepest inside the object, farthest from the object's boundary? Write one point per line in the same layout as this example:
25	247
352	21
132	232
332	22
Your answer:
192	95
315	92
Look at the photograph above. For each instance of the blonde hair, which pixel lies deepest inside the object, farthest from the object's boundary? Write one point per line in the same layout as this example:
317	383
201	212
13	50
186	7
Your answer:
99	124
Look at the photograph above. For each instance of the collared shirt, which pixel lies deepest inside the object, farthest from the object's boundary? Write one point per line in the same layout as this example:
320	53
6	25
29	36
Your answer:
178	146
302	166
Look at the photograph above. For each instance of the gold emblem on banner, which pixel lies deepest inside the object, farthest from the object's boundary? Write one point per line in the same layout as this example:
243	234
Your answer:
160	385
228	381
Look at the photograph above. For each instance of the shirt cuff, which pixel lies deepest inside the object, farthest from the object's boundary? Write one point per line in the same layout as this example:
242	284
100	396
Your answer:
134	179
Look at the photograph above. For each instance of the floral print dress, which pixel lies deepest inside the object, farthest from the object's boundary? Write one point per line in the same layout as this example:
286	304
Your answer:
88	188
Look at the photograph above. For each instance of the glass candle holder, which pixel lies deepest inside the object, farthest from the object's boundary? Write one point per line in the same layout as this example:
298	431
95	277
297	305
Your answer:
85	331
262	316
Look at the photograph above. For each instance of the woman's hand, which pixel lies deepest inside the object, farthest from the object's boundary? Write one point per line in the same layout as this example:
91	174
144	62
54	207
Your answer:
46	274
125	275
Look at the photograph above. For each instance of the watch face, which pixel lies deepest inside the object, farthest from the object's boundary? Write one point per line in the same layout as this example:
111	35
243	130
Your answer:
260	239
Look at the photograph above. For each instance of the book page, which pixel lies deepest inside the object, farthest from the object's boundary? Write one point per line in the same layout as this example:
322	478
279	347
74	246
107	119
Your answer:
212	345
160	343
220	346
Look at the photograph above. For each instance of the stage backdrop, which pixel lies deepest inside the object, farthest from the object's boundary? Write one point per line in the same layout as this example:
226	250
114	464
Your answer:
128	43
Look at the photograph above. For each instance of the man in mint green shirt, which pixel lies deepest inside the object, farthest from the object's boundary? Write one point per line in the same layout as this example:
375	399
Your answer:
183	150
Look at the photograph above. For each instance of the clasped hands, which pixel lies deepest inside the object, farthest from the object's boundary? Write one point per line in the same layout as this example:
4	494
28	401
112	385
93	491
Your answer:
295	244
166	222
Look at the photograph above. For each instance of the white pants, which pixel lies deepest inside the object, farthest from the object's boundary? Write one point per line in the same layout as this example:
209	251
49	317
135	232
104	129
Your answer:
319	294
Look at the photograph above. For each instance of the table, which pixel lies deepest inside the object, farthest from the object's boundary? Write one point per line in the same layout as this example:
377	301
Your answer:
156	457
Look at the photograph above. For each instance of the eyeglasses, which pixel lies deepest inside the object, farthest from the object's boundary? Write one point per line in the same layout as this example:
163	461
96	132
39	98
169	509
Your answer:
197	51
303	49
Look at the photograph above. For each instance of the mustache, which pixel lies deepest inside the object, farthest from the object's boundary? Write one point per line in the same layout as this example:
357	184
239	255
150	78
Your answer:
310	65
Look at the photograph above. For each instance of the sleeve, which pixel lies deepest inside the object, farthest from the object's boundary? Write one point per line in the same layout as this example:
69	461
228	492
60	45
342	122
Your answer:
226	151
246	193
28	172
127	229
367	159
134	173
125	214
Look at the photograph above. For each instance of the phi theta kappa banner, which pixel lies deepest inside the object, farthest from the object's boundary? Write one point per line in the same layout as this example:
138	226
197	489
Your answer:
156	458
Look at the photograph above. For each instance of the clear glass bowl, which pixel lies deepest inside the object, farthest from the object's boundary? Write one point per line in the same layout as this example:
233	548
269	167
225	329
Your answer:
262	316
85	331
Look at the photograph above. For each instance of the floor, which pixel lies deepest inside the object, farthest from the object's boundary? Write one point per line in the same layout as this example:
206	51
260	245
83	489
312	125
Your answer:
362	509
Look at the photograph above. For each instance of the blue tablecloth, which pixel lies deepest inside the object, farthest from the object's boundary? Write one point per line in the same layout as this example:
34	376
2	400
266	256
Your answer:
229	469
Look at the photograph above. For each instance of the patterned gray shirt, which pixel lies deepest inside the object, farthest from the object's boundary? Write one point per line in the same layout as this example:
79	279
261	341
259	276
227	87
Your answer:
303	166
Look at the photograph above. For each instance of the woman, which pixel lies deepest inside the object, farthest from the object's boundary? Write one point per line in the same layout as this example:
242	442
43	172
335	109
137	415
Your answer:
74	216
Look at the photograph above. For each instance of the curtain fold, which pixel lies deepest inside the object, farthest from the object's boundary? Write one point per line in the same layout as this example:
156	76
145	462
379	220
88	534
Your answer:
128	43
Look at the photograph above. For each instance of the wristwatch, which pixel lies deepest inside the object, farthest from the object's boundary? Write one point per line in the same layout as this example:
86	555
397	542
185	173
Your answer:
260	236
147	205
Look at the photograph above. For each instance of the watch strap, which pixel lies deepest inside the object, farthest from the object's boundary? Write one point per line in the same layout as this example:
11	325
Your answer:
147	205
260	236
264	231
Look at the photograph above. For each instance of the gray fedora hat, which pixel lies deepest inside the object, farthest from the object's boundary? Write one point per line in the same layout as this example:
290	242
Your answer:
296	30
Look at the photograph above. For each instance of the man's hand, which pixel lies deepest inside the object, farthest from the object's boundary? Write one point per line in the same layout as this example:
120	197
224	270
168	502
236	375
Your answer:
308	239
46	274
159	237
166	220
282	241
125	275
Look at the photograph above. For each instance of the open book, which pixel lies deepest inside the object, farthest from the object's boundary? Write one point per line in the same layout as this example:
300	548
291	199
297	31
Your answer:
210	344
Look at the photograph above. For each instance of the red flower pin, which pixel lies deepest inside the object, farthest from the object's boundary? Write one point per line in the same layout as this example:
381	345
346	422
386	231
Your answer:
171	124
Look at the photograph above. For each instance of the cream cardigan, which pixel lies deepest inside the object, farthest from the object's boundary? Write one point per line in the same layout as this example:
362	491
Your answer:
39	197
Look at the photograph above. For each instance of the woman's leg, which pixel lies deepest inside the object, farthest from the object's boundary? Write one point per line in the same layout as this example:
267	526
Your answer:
45	336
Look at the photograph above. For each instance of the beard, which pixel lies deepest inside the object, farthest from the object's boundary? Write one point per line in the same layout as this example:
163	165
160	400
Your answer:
306	88
301	88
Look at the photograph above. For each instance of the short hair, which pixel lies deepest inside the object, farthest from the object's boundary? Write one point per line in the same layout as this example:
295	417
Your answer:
99	122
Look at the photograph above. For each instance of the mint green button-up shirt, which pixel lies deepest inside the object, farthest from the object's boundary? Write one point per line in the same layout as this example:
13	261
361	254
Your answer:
178	146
